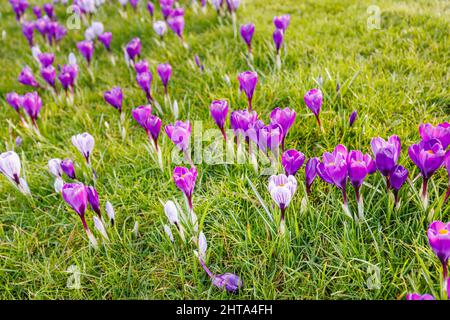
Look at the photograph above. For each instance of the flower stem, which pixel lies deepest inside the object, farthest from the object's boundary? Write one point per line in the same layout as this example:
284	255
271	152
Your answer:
360	202
424	194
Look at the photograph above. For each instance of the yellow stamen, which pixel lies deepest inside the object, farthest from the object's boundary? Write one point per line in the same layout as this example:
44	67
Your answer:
443	231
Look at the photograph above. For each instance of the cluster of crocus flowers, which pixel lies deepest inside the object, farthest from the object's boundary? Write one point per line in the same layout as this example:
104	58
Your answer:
52	32
282	189
247	83
313	100
19	7
30	102
11	167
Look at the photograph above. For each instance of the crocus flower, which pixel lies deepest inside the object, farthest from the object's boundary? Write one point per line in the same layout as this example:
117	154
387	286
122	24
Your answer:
32	104
217	4
311	172
150	123
397	178
114	97
242	121
285	118
19	7
133	48
151	8
76	196
37	11
282	189
106	38
94	201
439	239
14	100
247	83
68	168
171	212
49	10
247	31
49	75
219	112
10	167
134	4
440	132
144	81
278	37
141	66
54	166
233	5
26	78
110	212
282	22
165	72
166	11
160	28
86	48
386	154
334	170
185	181
352	118
428	156
179	133
418	296
313	100
199	63
46	59
68	76
268	137
292	160
28	32
447	166
176	24
84	142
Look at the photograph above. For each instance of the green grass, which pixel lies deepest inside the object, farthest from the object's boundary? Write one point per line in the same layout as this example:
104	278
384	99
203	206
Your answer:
396	77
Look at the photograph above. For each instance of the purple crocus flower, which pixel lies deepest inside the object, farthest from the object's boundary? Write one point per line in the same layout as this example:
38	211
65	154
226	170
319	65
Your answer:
41	25
311	172
141	66
219	112
447	166
114	97
26	77
179	133
334	170
86	48
247	83
247	31
439	239
68	168
270	137
28	32
199	63
352	118
185	181
285	118
94	200
105	38
292	160
150	123
49	75
228	281
397	178
386	154
166	11
160	28
68	76
151	8
176	24
242	121
144	81
440	132
46	59
165	72
428	156
134	4
19	7
313	100
233	5
49	10
14	100
278	37
282	22
32	104
418	296
133	48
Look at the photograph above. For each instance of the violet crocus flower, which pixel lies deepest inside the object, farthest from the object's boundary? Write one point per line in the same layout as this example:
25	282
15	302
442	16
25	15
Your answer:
439	238
37	11
247	31
418	296
151	8
68	76
282	190
176	24
278	37
247	83
219	112
179	133
428	156
86	49
76	196
133	48
160	28
166	11
141	66
68	168
144	81
233	5
14	100
440	132
397	178
54	166
185	181
94	200
447	166
292	160
386	154
165	72
32	104
352	118
150	123
269	138
282	22
313	100
199	63
114	97
105	38
49	75
285	118
311	172
241	121
84	142
334	170
28	32
46	59
134	4
49	10
26	77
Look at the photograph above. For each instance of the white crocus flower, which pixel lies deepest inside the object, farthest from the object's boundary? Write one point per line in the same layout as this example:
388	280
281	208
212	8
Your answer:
282	189
98	224
171	212
202	245
10	166
168	232
54	166
84	142
59	183
110	211
160	27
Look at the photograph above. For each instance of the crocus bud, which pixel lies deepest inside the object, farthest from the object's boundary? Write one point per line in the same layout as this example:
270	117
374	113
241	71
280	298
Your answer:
54	166
94	200
49	75
285	118
292	160
247	83
26	77
86	49
150	123
247	31
352	118
282	22
278	37
46	59
98	224
76	196
179	133
160	28
168	232
141	66
28	32
105	38
150	8
386	153
37	11
114	97
398	177
359	166
10	166
58	185
110	212
144	81
233	5
219	112
32	104
165	72
68	168
311	172
268	137
48	8
177	25
133	48
185	181
84	142
171	212
14	100
199	63
313	100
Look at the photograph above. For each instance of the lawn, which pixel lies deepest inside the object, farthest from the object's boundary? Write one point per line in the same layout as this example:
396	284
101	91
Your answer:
396	76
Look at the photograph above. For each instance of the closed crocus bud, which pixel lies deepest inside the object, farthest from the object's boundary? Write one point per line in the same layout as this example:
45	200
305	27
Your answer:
14	100
134	4
114	97
151	8
84	142
46	59
28	32
285	118
49	75
233	5
68	168
352	118
110	212
439	239
94	200
247	83
144	81
440	132
219	112
278	37
418	296
49	11
75	194
32	104
386	153
58	184
269	137
150	123
179	133
313	100
292	160
141	66
397	178
311	172
160	28
98	224
247	31
37	12
185	181
165	72
10	166
86	49
105	38
26	77
133	48
359	166
166	11
54	166
242	120
171	212
282	22
176	24
228	281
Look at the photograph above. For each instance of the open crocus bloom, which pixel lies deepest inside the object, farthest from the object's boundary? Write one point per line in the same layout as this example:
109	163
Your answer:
179	133
439	239
441	132
282	189
84	142
185	181
418	296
